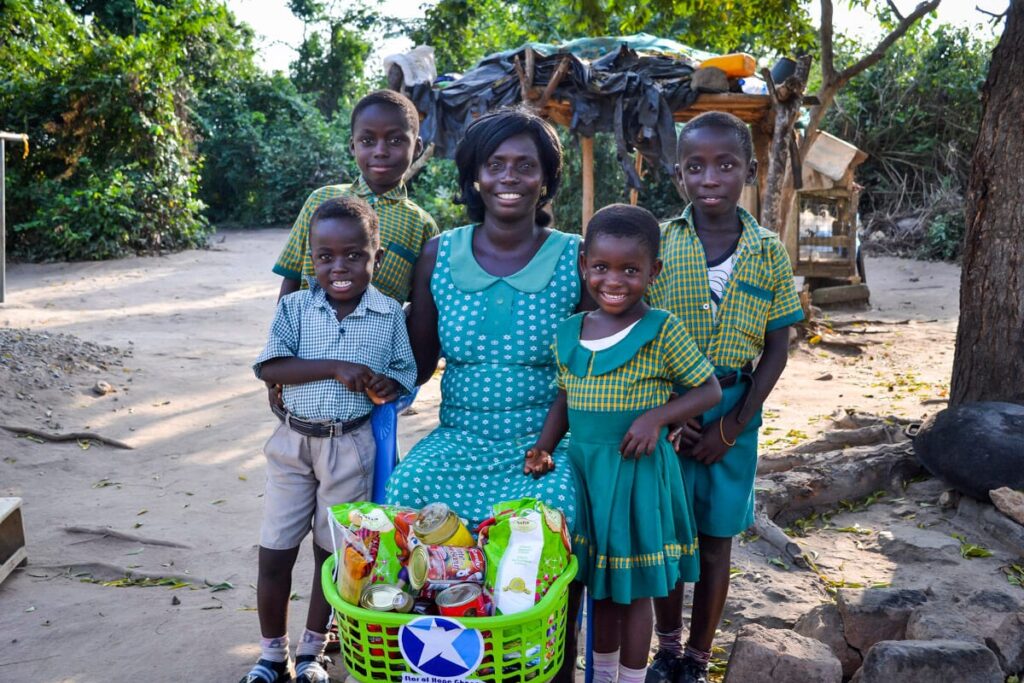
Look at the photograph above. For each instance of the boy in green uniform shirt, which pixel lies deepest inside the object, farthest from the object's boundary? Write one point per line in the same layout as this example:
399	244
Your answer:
385	140
730	281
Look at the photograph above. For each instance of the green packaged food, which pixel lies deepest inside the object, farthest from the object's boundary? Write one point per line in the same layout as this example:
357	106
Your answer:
526	547
385	532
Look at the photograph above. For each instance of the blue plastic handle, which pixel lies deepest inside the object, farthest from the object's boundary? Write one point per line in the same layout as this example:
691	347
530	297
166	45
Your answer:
384	423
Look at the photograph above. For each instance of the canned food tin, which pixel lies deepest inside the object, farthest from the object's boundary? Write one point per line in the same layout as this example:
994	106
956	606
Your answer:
437	567
436	524
461	600
385	597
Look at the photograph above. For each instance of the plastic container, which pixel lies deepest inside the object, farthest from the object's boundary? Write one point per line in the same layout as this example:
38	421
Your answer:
528	646
735	65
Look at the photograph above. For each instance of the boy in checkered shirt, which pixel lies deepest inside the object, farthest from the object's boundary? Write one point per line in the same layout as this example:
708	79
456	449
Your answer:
730	281
336	348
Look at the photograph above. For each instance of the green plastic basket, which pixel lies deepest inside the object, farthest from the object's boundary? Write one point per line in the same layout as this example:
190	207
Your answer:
528	646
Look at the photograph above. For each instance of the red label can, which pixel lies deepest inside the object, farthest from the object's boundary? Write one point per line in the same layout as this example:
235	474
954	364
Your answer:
462	600
437	567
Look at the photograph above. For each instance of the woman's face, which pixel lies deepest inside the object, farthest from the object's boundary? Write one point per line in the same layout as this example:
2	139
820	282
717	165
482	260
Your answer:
511	179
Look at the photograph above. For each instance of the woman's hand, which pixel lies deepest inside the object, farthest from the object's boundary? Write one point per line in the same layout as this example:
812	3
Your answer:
642	436
538	462
382	389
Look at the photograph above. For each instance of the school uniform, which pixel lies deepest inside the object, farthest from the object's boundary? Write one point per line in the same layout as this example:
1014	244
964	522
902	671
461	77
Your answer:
635	536
728	312
323	451
404	229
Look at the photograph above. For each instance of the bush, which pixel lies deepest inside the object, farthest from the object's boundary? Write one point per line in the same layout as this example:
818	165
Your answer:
266	148
113	168
916	113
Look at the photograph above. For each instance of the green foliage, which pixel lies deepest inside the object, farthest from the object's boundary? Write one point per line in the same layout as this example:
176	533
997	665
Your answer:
266	148
916	113
330	65
435	189
113	169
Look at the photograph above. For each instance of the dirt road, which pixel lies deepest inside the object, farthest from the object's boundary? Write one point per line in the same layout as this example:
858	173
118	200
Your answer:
187	327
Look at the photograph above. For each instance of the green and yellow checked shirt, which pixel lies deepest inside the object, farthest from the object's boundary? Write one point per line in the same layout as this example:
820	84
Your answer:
760	297
636	373
404	229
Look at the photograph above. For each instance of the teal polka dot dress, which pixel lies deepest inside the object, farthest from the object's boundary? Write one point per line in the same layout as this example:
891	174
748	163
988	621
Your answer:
496	336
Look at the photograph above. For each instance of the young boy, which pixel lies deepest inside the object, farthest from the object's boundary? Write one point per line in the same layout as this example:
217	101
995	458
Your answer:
385	140
731	283
332	347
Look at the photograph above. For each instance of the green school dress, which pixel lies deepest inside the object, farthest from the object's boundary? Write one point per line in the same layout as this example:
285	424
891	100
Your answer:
635	536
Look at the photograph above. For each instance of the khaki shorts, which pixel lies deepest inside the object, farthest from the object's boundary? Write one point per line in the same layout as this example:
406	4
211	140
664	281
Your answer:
305	476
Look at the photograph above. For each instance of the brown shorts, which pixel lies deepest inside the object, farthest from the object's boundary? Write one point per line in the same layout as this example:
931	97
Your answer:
305	476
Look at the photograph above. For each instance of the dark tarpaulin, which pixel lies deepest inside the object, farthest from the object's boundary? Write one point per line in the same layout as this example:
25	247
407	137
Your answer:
625	93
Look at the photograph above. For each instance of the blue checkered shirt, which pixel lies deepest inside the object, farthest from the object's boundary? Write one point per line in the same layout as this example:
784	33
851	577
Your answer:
305	326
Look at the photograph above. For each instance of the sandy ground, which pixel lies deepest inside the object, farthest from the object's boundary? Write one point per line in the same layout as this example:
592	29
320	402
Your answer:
185	329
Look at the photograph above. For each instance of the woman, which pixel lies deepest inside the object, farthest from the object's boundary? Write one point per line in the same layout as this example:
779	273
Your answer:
488	297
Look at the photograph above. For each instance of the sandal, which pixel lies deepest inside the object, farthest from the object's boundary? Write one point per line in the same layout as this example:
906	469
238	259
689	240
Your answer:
312	669
266	671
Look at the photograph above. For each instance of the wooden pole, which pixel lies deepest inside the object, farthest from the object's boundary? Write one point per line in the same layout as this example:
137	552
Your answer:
4	137
587	145
634	194
3	221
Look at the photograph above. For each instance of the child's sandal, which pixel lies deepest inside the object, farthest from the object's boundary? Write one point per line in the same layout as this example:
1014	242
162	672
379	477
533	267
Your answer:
312	669
266	671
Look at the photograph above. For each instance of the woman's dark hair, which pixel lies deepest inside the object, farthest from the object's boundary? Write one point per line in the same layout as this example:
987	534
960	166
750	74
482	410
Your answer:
723	121
349	208
486	134
623	220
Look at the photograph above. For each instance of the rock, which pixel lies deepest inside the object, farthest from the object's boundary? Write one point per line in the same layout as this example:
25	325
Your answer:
1008	643
975	447
903	542
871	615
1009	502
942	622
986	519
993	600
929	661
780	656
824	623
102	388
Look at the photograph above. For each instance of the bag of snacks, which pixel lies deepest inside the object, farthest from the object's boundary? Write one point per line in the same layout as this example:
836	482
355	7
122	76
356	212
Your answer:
526	547
353	565
385	532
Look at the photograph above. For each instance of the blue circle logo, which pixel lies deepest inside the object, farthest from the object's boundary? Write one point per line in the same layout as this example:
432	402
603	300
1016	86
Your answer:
441	647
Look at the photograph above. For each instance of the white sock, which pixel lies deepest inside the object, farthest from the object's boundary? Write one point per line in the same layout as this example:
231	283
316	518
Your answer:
274	649
311	643
606	666
627	675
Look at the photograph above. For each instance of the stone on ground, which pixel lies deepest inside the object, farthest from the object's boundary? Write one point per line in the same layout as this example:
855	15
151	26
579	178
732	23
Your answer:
1009	502
905	543
780	656
975	447
929	661
871	615
824	623
1008	644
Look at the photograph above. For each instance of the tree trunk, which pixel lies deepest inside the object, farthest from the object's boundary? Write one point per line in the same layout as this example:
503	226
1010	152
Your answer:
989	360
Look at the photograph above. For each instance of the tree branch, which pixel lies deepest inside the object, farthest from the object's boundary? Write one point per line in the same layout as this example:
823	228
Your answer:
876	55
895	10
828	65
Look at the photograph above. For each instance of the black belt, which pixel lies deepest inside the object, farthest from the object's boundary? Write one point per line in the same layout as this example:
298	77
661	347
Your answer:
746	373
319	429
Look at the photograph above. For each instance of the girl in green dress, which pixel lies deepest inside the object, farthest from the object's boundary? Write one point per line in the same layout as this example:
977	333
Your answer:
634	536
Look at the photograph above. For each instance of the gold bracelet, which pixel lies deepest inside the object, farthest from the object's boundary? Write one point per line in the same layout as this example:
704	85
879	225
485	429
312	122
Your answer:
721	433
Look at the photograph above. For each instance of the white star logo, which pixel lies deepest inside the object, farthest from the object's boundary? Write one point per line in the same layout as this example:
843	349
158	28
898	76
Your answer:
439	641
